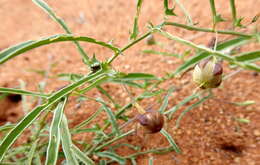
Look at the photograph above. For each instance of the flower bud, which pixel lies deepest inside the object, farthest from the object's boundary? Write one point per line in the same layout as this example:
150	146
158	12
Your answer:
150	40
208	74
152	121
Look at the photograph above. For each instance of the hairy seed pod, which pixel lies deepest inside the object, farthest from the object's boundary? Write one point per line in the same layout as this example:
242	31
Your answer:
151	120
208	74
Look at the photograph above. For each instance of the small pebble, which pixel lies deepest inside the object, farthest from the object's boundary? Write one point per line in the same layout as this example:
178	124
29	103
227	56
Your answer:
256	132
255	74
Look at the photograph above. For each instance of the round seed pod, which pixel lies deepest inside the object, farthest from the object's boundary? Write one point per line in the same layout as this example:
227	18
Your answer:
208	74
152	121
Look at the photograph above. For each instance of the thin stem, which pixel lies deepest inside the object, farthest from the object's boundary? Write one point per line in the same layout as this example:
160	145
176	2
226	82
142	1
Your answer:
128	46
193	28
214	13
157	150
138	107
186	13
203	48
115	139
234	13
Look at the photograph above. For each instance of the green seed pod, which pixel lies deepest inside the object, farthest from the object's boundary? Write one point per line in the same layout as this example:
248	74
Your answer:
152	121
208	74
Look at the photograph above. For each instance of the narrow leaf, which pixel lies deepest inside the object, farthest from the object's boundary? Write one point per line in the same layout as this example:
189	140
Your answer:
160	53
112	119
28	45
82	156
112	156
6	127
67	143
31	116
184	101
32	152
171	141
135	26
21	92
245	103
190	108
248	56
54	135
136	76
51	13
166	100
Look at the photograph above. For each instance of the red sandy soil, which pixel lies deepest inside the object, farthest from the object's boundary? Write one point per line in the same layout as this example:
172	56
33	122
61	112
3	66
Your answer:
208	135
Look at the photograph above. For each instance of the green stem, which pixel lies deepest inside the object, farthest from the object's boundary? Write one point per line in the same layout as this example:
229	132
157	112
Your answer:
203	48
156	151
128	46
214	13
115	139
234	13
193	28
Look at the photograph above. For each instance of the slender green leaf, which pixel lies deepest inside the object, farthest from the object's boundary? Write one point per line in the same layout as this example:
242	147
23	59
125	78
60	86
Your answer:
102	162
82	156
70	76
21	92
37	160
51	13
129	83
6	127
248	56
155	151
135	26
190	108
242	120
252	66
160	53
112	119
136	76
67	143
104	92
14	48
245	103
184	101
115	139
84	130
171	141
32	152
133	161
194	28
166	100
19	49
112	156
31	116
86	122
151	161
54	135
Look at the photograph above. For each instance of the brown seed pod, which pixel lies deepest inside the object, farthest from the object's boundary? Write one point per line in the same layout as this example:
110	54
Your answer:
152	121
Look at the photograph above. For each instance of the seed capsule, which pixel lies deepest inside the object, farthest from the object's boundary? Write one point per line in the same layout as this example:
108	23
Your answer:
208	74
152	121
150	40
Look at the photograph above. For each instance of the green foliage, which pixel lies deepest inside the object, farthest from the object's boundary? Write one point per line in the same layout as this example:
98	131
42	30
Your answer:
167	10
107	135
